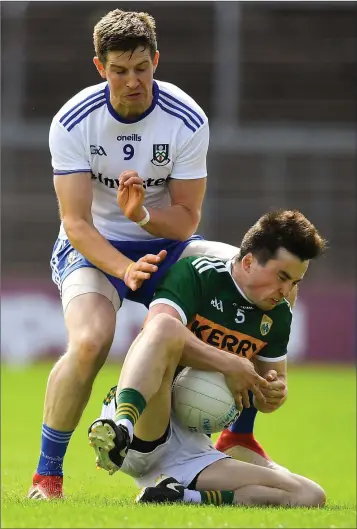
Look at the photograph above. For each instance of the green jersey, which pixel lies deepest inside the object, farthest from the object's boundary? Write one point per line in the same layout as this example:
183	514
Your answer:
215	309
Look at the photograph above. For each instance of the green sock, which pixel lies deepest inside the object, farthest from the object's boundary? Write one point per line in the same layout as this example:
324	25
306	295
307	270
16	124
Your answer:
217	497
130	405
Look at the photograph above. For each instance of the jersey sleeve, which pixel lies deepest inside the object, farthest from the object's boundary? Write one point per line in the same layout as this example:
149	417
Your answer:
181	289
276	349
67	150
191	160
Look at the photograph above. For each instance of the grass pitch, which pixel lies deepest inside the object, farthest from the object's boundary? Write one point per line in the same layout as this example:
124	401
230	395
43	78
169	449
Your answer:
314	434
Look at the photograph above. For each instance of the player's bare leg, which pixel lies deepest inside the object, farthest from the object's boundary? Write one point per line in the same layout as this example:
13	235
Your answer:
254	485
143	394
90	320
233	482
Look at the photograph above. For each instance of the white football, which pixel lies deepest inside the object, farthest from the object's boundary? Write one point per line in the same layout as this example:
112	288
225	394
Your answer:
202	401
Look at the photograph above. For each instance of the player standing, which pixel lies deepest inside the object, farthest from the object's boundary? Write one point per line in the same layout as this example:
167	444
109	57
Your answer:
128	137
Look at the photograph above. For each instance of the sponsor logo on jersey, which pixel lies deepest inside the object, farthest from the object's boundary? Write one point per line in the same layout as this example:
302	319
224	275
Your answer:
217	304
113	183
265	324
132	137
223	338
160	154
97	149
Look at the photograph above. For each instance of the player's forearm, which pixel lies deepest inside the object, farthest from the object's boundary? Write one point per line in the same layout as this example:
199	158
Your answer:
87	240
175	222
198	355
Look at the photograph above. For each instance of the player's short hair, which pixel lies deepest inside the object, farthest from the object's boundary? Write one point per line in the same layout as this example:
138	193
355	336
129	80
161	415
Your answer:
124	31
288	229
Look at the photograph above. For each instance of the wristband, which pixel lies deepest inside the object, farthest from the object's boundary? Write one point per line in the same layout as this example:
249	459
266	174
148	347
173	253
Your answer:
127	270
146	219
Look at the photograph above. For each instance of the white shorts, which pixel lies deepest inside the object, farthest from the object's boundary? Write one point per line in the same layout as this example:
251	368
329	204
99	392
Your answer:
182	456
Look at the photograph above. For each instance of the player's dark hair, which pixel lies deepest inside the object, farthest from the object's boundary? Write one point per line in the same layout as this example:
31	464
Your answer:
288	229
124	31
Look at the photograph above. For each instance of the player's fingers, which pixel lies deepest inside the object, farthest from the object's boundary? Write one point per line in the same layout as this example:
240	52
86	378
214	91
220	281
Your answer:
150	258
273	400
271	375
257	392
143	266
138	275
278	388
162	255
133	180
245	397
125	175
238	401
261	381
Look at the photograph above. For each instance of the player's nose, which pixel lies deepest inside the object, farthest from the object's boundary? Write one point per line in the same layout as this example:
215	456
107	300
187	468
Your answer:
132	81
285	290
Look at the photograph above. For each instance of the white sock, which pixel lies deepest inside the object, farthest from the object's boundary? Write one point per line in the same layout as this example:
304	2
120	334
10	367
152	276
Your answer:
128	425
191	496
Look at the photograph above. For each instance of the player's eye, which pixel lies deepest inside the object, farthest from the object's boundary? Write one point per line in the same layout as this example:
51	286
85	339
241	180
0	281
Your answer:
283	278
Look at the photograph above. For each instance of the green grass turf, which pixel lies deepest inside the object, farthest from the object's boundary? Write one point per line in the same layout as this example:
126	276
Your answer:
314	434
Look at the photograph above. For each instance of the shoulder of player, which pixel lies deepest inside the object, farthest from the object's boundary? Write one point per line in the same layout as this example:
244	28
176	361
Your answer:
207	266
173	100
283	311
84	101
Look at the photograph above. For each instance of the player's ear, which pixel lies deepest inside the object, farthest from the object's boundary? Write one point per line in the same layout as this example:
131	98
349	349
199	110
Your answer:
247	262
155	60
100	67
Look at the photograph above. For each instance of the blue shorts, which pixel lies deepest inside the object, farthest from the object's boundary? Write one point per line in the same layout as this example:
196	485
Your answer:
65	259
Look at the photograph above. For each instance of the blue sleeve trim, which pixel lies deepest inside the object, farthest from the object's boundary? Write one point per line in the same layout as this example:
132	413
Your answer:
58	172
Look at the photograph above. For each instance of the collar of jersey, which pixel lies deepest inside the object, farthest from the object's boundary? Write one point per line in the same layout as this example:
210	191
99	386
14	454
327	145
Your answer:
155	93
229	265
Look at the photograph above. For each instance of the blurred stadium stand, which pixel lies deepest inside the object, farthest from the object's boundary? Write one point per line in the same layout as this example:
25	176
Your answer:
278	81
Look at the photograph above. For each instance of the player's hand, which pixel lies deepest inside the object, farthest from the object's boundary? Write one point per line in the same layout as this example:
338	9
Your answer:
131	194
138	272
274	395
241	378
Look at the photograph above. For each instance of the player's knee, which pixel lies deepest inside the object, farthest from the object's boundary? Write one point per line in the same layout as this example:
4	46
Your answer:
90	349
312	496
307	493
166	329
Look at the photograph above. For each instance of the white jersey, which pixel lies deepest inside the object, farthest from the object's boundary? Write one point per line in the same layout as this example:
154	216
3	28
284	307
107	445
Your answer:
170	140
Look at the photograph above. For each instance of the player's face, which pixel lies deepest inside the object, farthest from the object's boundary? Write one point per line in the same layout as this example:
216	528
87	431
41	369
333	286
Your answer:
266	285
130	77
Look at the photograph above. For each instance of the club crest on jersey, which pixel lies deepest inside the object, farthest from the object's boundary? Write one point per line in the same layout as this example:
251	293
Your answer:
160	154
265	325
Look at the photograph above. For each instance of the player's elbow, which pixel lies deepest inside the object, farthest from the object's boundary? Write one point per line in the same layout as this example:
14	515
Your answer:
187	229
74	227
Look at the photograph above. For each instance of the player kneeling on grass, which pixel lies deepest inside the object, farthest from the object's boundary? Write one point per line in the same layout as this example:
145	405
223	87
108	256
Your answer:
137	431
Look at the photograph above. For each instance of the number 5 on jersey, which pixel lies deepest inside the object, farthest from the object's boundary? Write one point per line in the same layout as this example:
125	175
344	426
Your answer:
240	317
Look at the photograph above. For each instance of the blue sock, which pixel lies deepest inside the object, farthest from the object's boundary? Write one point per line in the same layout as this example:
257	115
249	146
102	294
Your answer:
53	448
245	422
